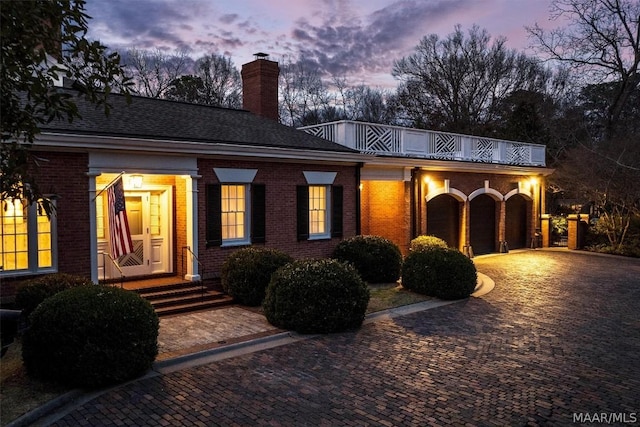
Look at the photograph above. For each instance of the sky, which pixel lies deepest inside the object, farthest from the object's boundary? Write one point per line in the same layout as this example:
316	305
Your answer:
356	39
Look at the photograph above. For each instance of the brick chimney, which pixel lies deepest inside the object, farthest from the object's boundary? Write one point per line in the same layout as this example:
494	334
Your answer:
260	86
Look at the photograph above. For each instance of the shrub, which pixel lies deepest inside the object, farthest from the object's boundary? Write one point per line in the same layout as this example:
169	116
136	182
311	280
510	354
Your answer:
247	272
378	260
422	243
316	296
440	272
91	336
32	292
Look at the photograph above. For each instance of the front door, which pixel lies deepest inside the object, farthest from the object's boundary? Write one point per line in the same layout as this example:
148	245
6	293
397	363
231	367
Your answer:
149	217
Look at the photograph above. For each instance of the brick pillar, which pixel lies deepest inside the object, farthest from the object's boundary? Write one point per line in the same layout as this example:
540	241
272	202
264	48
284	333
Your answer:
546	230
260	87
575	238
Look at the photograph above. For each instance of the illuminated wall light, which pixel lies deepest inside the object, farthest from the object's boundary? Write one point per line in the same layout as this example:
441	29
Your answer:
360	187
135	181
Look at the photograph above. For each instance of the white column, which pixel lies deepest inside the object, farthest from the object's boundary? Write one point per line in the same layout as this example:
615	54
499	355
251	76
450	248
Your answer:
191	195
93	235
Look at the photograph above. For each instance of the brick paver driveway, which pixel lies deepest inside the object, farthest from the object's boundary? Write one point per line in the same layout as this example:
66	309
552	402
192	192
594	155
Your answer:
557	341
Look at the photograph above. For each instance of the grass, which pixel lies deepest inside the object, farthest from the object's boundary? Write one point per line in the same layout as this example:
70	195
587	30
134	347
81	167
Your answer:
20	394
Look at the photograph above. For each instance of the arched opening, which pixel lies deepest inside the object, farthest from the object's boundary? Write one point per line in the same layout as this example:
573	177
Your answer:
443	219
516	222
482	224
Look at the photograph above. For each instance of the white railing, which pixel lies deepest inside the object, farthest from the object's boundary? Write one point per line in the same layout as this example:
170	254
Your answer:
389	140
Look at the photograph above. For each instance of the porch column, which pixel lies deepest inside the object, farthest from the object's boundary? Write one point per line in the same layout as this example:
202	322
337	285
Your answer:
191	214
93	235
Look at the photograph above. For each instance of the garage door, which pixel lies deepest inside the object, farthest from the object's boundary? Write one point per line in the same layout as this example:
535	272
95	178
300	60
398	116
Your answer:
482	224
516	222
443	219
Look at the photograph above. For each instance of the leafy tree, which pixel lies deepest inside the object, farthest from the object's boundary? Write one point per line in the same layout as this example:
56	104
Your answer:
455	83
43	42
186	89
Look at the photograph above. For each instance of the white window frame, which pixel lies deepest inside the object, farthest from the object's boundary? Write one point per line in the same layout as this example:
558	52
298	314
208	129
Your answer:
326	234
32	245
244	177
246	240
321	179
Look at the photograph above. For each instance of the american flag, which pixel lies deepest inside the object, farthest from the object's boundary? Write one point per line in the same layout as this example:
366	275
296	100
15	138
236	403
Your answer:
119	235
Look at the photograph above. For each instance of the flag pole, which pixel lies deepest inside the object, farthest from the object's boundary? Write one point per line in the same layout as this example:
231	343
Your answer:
108	185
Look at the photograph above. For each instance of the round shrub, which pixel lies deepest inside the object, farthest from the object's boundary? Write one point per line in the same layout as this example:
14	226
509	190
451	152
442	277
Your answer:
247	272
316	296
439	272
378	260
91	336
32	292
424	243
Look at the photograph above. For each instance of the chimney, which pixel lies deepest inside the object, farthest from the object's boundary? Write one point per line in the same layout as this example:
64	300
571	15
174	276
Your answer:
260	86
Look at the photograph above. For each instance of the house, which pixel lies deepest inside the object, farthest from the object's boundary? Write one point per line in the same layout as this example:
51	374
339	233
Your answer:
480	195
200	182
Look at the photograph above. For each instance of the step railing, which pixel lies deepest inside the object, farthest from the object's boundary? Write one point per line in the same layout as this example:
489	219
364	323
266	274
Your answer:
106	255
187	250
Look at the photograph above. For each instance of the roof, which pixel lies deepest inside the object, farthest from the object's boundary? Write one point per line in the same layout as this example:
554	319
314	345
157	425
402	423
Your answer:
159	119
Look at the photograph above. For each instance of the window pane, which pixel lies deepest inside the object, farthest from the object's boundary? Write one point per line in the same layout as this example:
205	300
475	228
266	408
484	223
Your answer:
317	209
233	212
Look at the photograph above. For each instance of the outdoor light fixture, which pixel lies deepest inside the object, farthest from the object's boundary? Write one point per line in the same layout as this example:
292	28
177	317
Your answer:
427	180
360	187
135	181
533	182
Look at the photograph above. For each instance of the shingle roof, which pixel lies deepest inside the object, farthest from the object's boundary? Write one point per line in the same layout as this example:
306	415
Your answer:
150	118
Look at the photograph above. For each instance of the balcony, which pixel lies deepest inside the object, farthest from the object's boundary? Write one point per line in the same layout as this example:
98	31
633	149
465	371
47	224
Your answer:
386	140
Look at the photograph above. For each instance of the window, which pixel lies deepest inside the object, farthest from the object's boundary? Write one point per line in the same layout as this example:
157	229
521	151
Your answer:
26	238
319	211
234	213
318	219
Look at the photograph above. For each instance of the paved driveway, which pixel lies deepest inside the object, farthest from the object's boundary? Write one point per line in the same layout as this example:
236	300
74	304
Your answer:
556	341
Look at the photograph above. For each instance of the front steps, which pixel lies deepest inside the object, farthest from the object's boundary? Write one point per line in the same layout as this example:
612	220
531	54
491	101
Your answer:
183	298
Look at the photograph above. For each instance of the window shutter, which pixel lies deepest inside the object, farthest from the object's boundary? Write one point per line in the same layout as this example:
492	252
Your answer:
214	215
258	215
303	212
336	211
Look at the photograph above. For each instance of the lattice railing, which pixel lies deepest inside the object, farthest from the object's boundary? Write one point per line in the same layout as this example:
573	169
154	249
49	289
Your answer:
379	139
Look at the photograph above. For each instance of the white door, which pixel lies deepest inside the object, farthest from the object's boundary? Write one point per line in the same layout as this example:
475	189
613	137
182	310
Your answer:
149	217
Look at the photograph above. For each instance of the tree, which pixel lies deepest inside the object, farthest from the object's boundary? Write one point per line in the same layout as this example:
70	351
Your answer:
601	42
186	89
455	84
154	71
41	43
302	92
222	84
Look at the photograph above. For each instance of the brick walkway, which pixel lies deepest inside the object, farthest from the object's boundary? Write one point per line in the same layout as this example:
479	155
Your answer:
558	338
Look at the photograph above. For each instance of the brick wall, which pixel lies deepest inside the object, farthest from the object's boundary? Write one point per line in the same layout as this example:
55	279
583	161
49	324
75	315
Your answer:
386	211
280	181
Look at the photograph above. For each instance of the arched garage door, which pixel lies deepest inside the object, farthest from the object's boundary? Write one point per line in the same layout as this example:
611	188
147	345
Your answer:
482	224
516	222
443	219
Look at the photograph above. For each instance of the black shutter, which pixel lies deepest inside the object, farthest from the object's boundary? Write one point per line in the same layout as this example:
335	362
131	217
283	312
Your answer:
258	216
214	215
303	211
336	211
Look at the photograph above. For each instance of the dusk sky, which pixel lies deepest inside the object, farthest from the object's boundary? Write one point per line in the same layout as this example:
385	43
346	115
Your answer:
358	39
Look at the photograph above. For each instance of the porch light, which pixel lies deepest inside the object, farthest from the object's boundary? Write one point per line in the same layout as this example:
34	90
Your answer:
533	181
427	180
135	181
